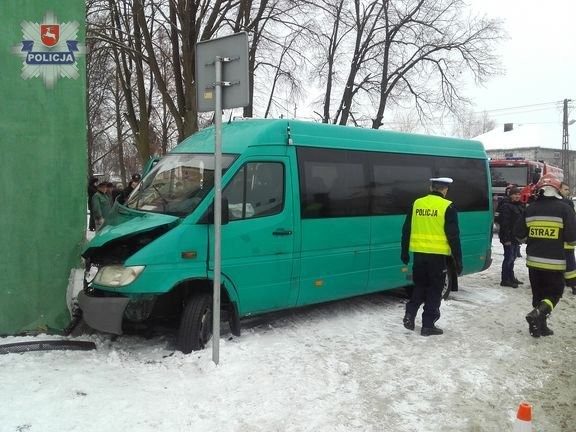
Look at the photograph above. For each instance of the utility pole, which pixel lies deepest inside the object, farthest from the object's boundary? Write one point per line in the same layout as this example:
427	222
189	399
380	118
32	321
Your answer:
566	145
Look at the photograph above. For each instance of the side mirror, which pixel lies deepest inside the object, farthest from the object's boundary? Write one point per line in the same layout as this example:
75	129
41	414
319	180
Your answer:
208	217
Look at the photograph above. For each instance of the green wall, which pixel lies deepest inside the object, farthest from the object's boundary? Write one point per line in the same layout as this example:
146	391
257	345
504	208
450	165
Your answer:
42	173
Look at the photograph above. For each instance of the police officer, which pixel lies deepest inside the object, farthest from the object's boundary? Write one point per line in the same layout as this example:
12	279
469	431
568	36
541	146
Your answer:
431	232
547	225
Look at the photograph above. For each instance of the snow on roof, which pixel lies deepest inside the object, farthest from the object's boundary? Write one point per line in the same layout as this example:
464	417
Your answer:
529	135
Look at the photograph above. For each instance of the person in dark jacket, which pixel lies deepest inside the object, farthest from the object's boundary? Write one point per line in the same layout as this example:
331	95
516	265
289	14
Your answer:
134	182
92	188
510	212
570	273
548	224
431	232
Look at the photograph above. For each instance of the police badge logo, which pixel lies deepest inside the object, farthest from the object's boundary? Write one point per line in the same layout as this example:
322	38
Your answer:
50	50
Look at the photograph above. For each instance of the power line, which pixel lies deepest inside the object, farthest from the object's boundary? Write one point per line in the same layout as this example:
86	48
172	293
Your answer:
522	109
558	103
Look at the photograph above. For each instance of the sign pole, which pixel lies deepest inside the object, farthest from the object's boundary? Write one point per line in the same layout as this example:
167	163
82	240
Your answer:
221	64
217	210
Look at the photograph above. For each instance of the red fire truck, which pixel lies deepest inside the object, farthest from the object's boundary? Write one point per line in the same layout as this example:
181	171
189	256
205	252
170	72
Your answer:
519	172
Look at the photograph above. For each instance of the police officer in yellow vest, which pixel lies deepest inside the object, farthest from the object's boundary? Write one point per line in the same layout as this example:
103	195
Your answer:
431	232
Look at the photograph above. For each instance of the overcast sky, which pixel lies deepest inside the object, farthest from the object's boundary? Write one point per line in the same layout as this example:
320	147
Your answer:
539	61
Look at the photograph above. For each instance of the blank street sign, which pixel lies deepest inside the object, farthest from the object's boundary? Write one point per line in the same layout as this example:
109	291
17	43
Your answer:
234	49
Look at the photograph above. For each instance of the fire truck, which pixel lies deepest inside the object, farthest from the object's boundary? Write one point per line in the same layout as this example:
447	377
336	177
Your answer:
519	172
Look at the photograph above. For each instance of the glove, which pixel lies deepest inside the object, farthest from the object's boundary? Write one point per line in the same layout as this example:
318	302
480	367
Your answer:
459	268
405	258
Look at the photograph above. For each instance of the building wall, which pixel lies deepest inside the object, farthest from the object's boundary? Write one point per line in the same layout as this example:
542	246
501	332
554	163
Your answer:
42	170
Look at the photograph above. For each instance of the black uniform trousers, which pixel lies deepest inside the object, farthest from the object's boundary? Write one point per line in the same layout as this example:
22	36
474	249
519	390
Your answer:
546	285
428	275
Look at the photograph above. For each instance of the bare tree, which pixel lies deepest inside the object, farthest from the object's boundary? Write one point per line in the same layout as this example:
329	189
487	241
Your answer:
188	21
99	74
470	124
275	52
425	48
329	32
398	50
366	56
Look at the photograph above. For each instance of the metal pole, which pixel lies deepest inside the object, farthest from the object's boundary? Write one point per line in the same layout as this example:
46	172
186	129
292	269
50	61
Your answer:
217	211
566	145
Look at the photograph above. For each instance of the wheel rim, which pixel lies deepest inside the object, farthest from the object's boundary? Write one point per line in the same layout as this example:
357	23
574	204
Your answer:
205	327
446	287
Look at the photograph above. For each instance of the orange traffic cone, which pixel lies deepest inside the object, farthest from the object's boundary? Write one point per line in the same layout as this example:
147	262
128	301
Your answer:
523	418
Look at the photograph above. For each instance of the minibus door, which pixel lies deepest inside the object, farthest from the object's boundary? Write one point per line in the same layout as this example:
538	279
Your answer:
258	240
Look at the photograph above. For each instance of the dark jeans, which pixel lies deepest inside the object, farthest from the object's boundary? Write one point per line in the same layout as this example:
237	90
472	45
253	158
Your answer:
546	285
428	274
510	254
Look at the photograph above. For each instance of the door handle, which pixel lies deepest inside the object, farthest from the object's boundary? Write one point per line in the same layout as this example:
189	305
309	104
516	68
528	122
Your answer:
282	232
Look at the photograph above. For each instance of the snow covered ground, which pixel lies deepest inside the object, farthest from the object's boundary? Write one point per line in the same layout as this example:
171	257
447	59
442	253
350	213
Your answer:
343	366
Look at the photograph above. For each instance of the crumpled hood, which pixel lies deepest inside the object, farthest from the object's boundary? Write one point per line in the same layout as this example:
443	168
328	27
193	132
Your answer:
127	222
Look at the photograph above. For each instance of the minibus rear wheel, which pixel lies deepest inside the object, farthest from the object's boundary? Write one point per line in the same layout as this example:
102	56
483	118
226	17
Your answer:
448	282
196	323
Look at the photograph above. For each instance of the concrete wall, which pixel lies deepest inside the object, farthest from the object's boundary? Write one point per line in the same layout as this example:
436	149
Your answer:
42	164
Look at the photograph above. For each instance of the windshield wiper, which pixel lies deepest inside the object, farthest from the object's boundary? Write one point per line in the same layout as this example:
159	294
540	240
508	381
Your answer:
164	200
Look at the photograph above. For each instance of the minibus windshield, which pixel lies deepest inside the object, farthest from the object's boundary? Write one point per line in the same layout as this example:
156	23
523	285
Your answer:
177	184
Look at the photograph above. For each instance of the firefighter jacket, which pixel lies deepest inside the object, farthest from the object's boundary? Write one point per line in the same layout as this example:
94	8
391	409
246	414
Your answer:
432	227
547	224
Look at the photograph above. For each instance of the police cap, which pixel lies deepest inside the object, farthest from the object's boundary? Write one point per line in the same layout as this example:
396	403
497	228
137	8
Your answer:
442	180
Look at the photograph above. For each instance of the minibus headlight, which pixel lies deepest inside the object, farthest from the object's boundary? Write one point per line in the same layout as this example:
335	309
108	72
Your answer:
117	276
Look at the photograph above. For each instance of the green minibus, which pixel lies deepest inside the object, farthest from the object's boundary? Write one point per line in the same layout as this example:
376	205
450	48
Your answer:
311	213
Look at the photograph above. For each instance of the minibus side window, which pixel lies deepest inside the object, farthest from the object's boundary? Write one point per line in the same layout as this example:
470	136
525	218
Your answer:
401	178
398	180
333	183
469	192
256	190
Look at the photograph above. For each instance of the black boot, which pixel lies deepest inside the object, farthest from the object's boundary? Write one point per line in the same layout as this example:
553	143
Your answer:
408	321
518	282
537	319
544	330
431	331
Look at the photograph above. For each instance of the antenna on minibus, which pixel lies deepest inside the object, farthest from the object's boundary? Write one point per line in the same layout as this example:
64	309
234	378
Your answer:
290	142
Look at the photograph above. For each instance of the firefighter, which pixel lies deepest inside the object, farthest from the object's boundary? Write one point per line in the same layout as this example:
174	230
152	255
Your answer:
431	232
548	224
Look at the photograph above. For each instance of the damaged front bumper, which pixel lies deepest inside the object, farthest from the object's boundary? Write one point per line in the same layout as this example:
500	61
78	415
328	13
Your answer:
104	314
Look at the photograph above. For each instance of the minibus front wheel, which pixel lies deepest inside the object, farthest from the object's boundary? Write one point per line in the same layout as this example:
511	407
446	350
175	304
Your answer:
196	323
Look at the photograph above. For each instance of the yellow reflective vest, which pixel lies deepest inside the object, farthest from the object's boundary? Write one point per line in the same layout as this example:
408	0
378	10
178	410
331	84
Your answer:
427	232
